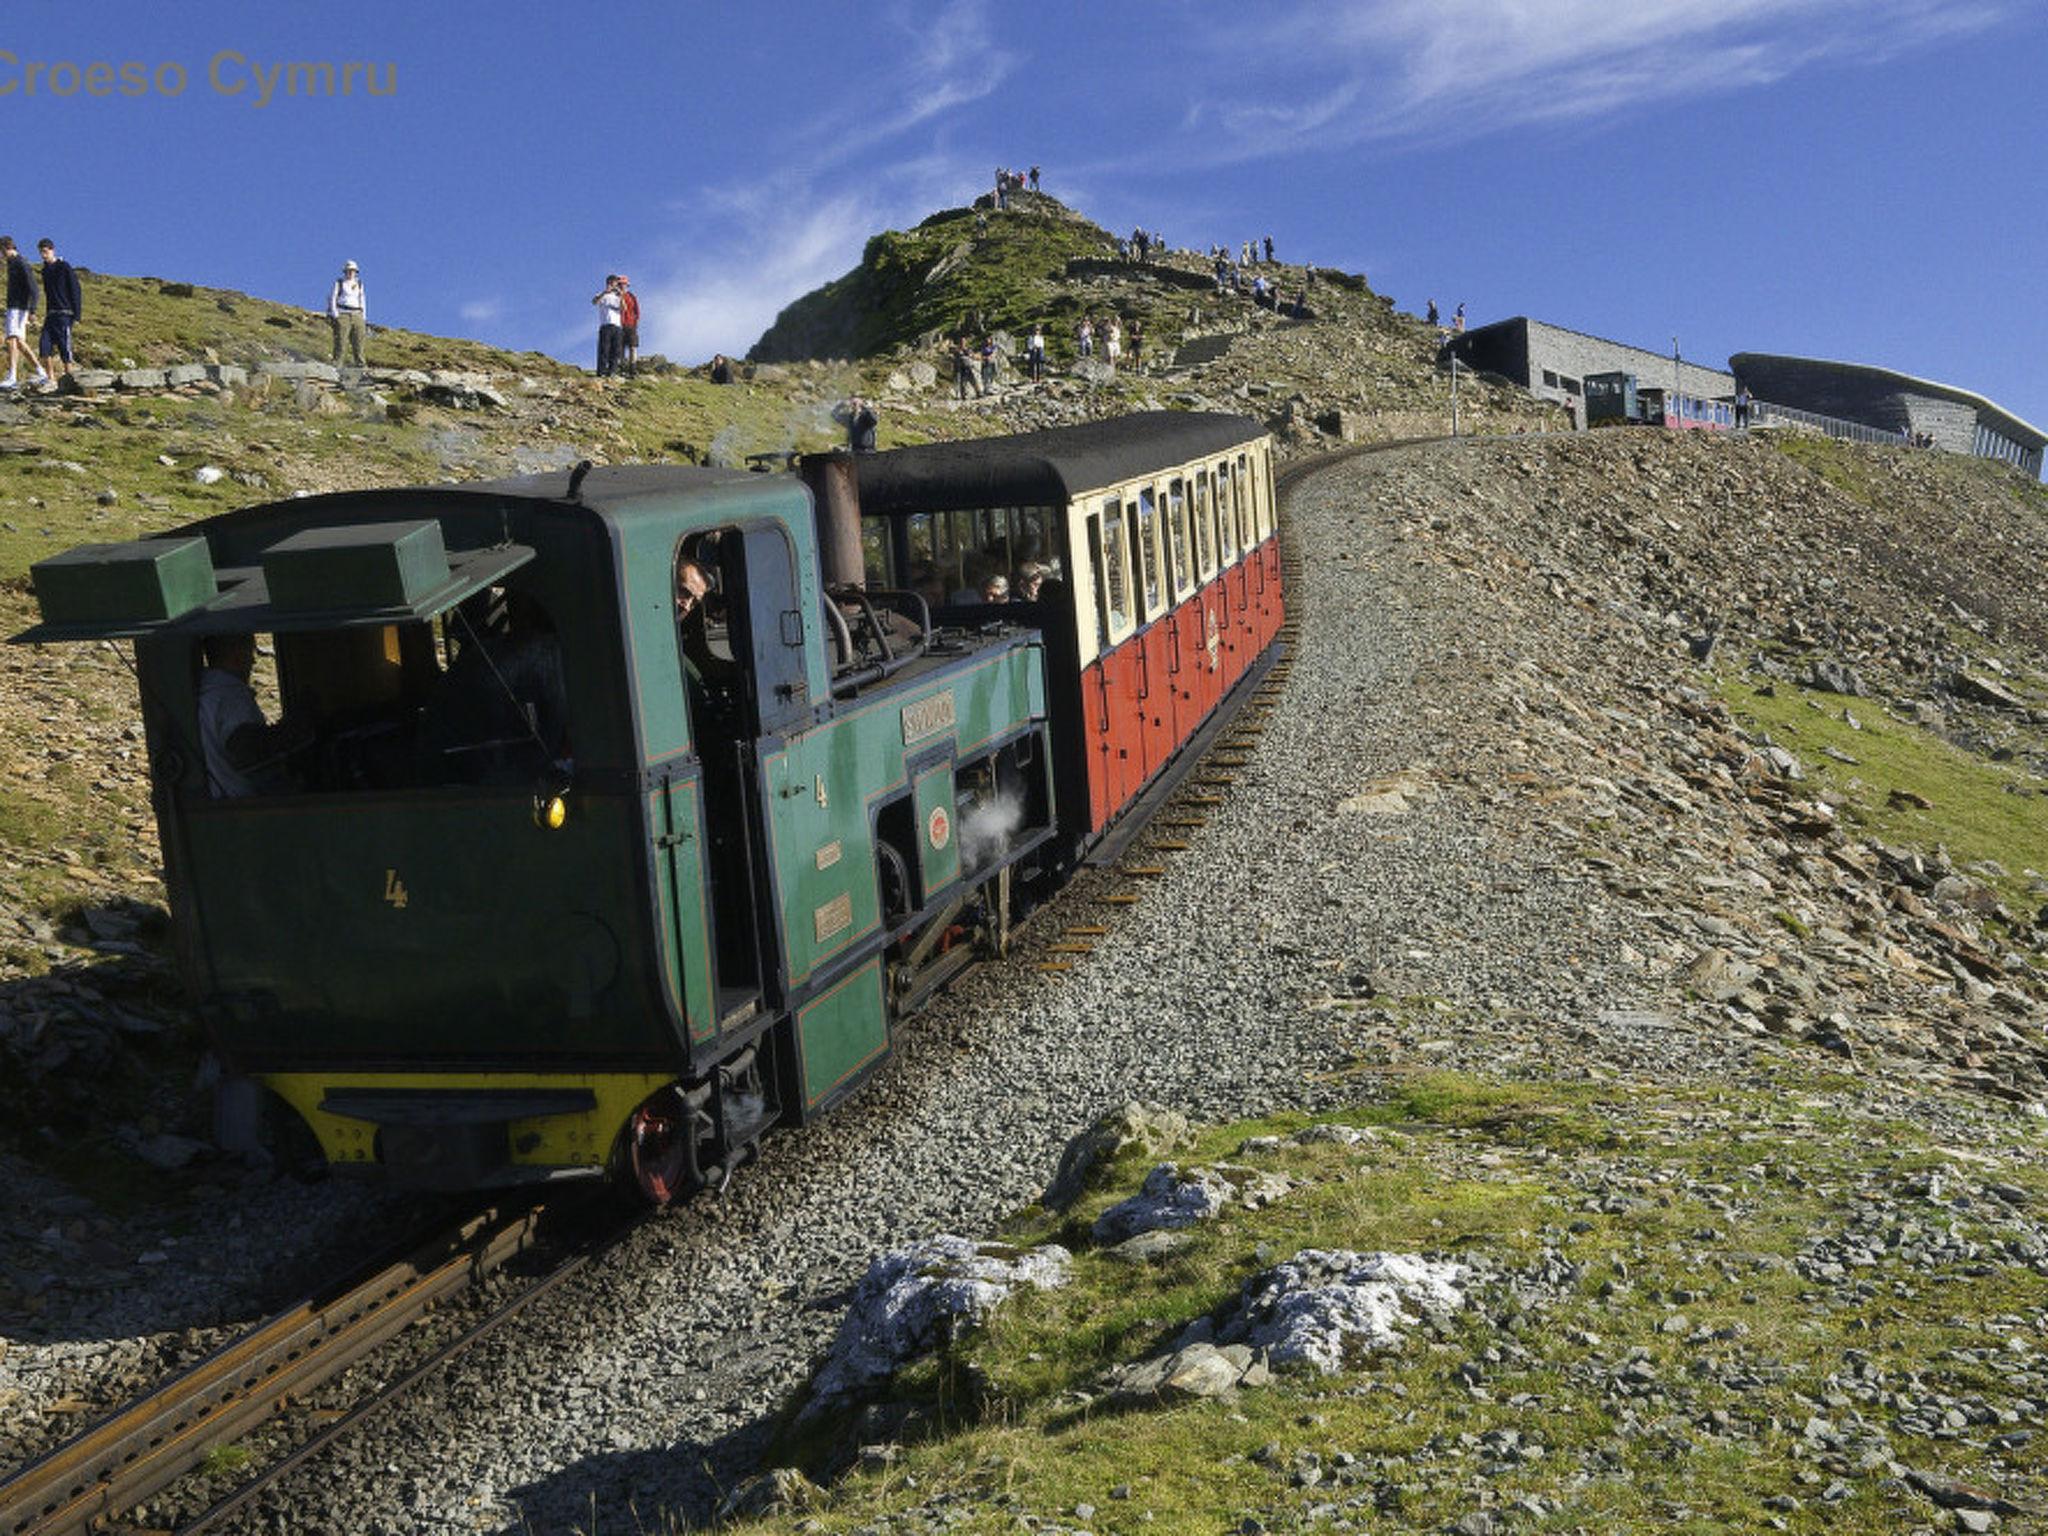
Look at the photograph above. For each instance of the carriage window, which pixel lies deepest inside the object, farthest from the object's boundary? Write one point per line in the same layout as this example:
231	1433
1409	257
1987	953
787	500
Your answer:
1265	479
1112	568
1205	534
1247	500
1177	531
1148	547
1226	518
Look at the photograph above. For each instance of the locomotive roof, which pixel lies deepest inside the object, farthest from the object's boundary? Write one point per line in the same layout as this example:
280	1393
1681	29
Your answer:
1044	468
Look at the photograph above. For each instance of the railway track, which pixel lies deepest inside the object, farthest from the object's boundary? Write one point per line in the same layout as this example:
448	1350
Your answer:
142	1450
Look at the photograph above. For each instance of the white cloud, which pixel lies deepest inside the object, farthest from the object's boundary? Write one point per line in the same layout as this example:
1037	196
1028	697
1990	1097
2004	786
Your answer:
1452	69
482	311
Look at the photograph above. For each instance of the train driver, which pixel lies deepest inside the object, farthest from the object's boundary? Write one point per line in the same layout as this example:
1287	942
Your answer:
244	754
705	666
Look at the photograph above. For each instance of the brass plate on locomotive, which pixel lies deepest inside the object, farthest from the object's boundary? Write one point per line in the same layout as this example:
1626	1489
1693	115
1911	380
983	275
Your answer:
928	717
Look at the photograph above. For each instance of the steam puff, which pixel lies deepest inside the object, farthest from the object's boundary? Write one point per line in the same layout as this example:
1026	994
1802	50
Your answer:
986	830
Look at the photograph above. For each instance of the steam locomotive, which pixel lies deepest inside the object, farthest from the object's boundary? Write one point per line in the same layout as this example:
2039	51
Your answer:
592	823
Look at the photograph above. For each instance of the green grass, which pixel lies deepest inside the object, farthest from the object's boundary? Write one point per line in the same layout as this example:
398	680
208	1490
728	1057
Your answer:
1730	1188
1977	809
145	321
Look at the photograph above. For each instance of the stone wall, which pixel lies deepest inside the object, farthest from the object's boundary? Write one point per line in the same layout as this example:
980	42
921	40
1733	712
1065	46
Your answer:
317	385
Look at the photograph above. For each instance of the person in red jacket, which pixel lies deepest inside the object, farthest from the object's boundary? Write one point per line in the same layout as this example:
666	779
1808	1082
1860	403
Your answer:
629	324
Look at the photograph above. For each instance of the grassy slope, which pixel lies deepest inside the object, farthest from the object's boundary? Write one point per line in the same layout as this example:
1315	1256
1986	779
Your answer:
142	321
1692	1307
917	282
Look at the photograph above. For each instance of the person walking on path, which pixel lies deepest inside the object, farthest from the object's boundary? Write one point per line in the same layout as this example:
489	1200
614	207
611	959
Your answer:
348	313
629	325
610	301
62	304
21	303
963	369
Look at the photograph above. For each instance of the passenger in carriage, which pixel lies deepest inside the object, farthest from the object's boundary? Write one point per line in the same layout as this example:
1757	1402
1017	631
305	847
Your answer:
1024	585
995	588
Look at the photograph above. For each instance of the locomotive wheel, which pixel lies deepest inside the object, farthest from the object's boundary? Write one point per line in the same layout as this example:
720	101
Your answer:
658	1147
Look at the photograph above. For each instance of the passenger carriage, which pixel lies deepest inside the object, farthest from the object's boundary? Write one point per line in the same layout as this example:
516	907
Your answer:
1167	592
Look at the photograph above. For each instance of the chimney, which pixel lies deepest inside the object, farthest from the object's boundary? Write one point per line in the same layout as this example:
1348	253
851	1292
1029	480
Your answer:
834	479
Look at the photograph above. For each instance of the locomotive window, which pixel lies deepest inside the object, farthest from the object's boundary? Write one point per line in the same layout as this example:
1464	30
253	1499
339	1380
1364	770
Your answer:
1147	534
1177	532
1205	535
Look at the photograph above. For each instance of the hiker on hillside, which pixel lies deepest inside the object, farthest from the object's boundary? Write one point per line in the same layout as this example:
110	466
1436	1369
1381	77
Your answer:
62	303
1034	352
1085	337
1113	339
21	303
1034	178
610	301
1429	315
858	416
348	312
629	325
963	369
1269	248
1458	318
988	364
1137	339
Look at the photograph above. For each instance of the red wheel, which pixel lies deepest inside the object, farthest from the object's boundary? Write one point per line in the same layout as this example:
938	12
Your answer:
658	1147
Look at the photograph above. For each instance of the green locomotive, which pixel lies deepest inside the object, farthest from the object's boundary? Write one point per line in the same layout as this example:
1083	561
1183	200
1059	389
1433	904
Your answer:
599	820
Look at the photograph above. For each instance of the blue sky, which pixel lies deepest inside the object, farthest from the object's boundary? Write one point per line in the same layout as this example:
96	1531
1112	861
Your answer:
1800	176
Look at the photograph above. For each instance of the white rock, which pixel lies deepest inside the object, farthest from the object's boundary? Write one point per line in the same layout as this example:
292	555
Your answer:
920	1298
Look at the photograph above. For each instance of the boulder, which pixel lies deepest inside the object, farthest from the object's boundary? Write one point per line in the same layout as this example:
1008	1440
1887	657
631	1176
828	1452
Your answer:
918	1300
323	373
1172	1198
1194	1371
185	373
1151	1128
142	378
1322	1308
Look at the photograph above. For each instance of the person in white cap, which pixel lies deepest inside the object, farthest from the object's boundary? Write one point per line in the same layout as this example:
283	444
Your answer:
347	312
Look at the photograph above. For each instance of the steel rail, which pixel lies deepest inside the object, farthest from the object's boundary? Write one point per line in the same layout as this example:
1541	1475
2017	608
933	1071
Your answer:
386	1396
135	1453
